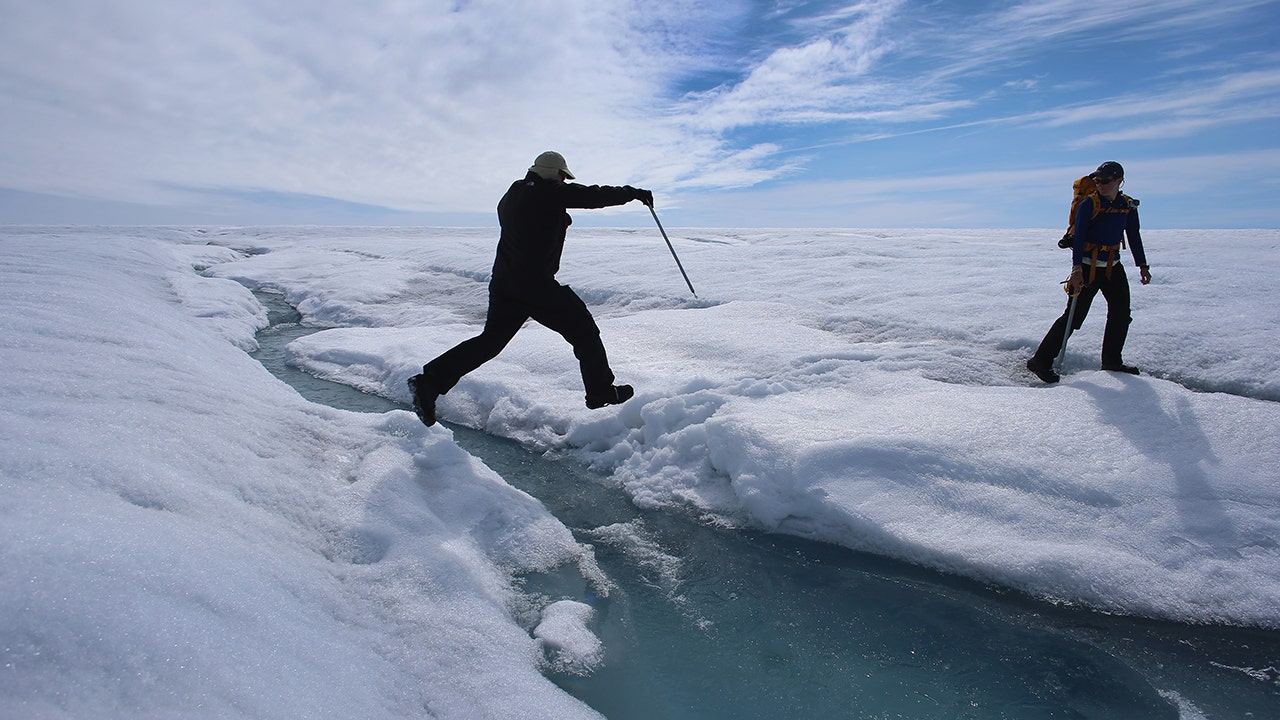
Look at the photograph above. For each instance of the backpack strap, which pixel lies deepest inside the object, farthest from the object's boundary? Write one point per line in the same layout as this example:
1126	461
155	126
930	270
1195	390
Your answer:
1093	266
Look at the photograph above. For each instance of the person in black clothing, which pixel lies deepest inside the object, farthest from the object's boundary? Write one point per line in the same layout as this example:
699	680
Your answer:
533	221
1095	267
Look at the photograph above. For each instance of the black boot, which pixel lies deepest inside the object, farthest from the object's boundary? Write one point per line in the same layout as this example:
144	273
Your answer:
1120	367
615	395
424	398
1042	370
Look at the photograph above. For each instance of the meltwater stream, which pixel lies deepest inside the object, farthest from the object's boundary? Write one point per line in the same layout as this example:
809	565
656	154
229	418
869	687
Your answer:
707	623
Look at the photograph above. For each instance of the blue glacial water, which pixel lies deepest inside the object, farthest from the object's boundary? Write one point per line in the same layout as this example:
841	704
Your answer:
706	622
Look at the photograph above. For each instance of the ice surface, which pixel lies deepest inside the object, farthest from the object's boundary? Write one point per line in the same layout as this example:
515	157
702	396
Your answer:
185	536
181	530
866	388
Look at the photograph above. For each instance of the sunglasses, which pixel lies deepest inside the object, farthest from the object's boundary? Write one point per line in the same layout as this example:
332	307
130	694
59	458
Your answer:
1105	180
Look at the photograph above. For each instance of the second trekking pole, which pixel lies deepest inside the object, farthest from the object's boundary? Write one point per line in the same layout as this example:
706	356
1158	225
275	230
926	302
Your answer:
673	251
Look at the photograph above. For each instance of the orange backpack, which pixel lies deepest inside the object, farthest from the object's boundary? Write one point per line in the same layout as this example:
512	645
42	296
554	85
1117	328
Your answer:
1086	187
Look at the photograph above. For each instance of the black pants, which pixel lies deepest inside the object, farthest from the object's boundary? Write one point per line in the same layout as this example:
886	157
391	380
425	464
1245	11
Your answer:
554	306
1116	291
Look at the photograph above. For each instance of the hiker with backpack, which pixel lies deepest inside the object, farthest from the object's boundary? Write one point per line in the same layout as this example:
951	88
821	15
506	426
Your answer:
1100	222
533	222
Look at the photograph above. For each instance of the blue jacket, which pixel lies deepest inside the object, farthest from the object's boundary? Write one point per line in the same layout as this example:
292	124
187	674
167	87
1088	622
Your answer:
1107	231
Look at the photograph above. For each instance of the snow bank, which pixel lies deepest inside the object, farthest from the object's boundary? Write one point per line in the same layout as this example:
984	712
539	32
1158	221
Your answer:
184	535
867	389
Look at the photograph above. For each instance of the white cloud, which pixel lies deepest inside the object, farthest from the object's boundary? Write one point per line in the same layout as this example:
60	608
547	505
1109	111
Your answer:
852	66
436	105
1032	197
1187	109
413	105
1011	32
826	78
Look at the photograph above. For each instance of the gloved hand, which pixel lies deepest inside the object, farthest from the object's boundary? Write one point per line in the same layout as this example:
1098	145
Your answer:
1076	282
1145	273
644	196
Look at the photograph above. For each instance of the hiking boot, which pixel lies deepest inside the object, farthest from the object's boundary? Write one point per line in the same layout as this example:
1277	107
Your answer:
615	395
1120	367
1042	370
424	399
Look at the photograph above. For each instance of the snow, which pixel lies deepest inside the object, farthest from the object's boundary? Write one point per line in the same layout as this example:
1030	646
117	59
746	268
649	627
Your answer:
564	631
184	534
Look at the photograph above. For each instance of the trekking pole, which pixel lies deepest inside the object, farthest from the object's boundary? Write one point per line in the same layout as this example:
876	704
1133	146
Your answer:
1066	331
673	251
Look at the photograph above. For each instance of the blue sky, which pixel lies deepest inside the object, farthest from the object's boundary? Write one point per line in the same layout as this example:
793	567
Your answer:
890	113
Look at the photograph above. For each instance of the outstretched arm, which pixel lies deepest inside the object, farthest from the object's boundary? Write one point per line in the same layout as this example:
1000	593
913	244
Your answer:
597	196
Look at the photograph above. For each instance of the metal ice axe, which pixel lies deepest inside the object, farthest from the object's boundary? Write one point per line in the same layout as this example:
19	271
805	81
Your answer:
673	251
1066	331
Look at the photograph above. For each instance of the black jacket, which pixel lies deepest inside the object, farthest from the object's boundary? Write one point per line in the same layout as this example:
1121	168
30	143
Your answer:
533	220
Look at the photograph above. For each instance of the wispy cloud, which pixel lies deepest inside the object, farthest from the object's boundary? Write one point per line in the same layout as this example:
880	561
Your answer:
1037	197
826	78
882	62
1189	108
435	105
1009	32
415	106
